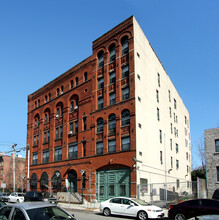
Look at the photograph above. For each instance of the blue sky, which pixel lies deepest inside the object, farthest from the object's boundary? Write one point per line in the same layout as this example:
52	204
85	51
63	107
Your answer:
40	40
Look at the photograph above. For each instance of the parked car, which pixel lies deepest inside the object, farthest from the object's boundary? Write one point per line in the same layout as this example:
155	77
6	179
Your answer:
34	211
2	204
193	208
16	197
39	196
216	194
130	207
4	197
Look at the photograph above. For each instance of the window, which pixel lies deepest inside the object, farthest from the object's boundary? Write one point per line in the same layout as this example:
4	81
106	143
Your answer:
49	97
112	52
85	123
58	154
76	81
177	148
175	104
158	114
45	139
112	146
169	95
125	117
160	132
46	98
57	92
143	185
161	157
125	143
125	93
217	146
158	79
35	158
99	125
61	132
71	106
177	184
71	128
171	162
73	151
84	148
177	164
100	60
112	124
99	147
171	128
125	45
100	83
62	89
100	103
36	140
157	96
46	118
112	77
187	156
111	190
71	84
170	112
125	71
112	98
45	156
85	76
171	144
18	214
76	127
57	133
122	190
38	103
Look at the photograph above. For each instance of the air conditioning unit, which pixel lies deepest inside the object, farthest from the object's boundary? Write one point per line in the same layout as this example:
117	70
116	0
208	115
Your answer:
70	132
76	107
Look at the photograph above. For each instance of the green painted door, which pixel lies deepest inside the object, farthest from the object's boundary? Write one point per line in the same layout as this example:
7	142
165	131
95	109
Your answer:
111	183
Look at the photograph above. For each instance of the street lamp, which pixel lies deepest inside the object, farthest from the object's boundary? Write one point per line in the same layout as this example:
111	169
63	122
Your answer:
83	184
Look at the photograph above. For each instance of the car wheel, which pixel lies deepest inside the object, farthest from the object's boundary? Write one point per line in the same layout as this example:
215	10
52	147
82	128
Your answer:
142	215
106	212
180	216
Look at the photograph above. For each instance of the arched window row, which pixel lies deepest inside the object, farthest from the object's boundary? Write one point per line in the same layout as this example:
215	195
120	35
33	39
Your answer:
125	121
112	51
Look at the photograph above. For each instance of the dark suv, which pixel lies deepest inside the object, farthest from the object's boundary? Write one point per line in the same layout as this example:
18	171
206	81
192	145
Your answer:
39	196
216	194
33	196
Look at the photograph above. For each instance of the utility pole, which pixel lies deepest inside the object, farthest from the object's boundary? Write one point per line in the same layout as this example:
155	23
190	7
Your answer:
13	146
28	166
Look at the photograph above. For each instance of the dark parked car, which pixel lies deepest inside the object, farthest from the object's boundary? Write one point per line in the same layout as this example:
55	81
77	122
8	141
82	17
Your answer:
192	208
216	194
39	196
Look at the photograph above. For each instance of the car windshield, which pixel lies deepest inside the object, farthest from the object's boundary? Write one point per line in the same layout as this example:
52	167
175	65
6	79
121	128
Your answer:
48	213
140	202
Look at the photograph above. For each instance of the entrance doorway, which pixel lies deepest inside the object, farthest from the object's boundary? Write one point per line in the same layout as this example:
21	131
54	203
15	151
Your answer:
72	180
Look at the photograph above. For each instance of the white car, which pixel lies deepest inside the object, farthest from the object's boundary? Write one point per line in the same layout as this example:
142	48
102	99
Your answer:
16	197
130	207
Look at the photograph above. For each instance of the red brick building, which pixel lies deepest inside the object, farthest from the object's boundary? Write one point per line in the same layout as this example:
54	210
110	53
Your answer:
6	172
85	120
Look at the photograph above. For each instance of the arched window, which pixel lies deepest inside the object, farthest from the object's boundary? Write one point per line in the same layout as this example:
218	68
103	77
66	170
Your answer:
44	181
62	89
49	97
59	110
112	124
85	76
112	52
71	84
36	121
33	181
56	181
46	116
76	81
125	45
71	106
46	99
100	59
125	117
99	125
57	92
